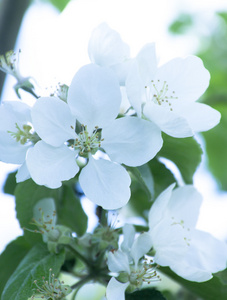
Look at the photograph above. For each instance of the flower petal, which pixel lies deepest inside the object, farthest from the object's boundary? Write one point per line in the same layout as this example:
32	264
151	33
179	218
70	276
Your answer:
105	183
12	151
94	96
22	173
118	262
13	112
53	121
116	290
49	166
184	204
106	47
168	121
158	209
201	117
129	234
187	77
141	72
205	255
141	246
131	141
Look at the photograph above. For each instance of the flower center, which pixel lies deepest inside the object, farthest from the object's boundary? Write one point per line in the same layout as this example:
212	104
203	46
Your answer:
88	143
25	135
159	93
52	288
146	272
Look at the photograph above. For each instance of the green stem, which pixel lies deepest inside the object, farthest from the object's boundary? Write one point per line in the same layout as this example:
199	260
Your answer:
78	254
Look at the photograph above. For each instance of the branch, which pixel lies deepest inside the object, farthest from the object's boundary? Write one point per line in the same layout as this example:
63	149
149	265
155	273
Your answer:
11	15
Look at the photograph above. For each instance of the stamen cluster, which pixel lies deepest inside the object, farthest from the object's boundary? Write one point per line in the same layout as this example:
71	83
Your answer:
159	95
87	143
51	289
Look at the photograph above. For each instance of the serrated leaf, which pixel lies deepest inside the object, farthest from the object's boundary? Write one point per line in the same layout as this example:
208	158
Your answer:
210	290
70	212
10	259
34	266
10	184
185	153
145	294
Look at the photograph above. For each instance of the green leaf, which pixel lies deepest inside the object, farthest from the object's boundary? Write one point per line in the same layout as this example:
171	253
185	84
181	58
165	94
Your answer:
70	212
160	178
216	145
143	175
34	266
185	153
182	24
27	195
59	4
10	184
145	294
210	290
163	177
10	259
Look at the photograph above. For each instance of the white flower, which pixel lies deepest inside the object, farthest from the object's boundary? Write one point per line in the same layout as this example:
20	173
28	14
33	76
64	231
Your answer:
107	49
93	101
166	95
126	261
190	253
16	135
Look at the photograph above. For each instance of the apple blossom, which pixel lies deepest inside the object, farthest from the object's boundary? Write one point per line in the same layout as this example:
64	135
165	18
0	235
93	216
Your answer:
191	253
166	94
127	262
16	135
86	126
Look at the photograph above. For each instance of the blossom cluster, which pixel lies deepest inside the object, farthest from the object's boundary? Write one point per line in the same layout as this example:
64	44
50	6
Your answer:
111	117
49	138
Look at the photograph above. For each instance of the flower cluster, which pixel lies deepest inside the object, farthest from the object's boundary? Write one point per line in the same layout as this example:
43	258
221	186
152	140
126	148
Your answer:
79	132
50	137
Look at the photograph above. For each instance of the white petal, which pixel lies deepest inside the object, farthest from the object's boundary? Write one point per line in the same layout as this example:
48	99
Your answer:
147	62
131	141
141	72
94	96
168	121
11	151
118	262
135	87
105	183
206	252
53	121
106	47
50	166
141	246
158	209
129	234
192	273
122	70
169	242
116	290
14	112
184	204
22	173
201	117
187	77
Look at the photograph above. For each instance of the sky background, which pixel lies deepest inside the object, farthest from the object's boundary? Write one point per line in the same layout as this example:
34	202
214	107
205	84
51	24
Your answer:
54	47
